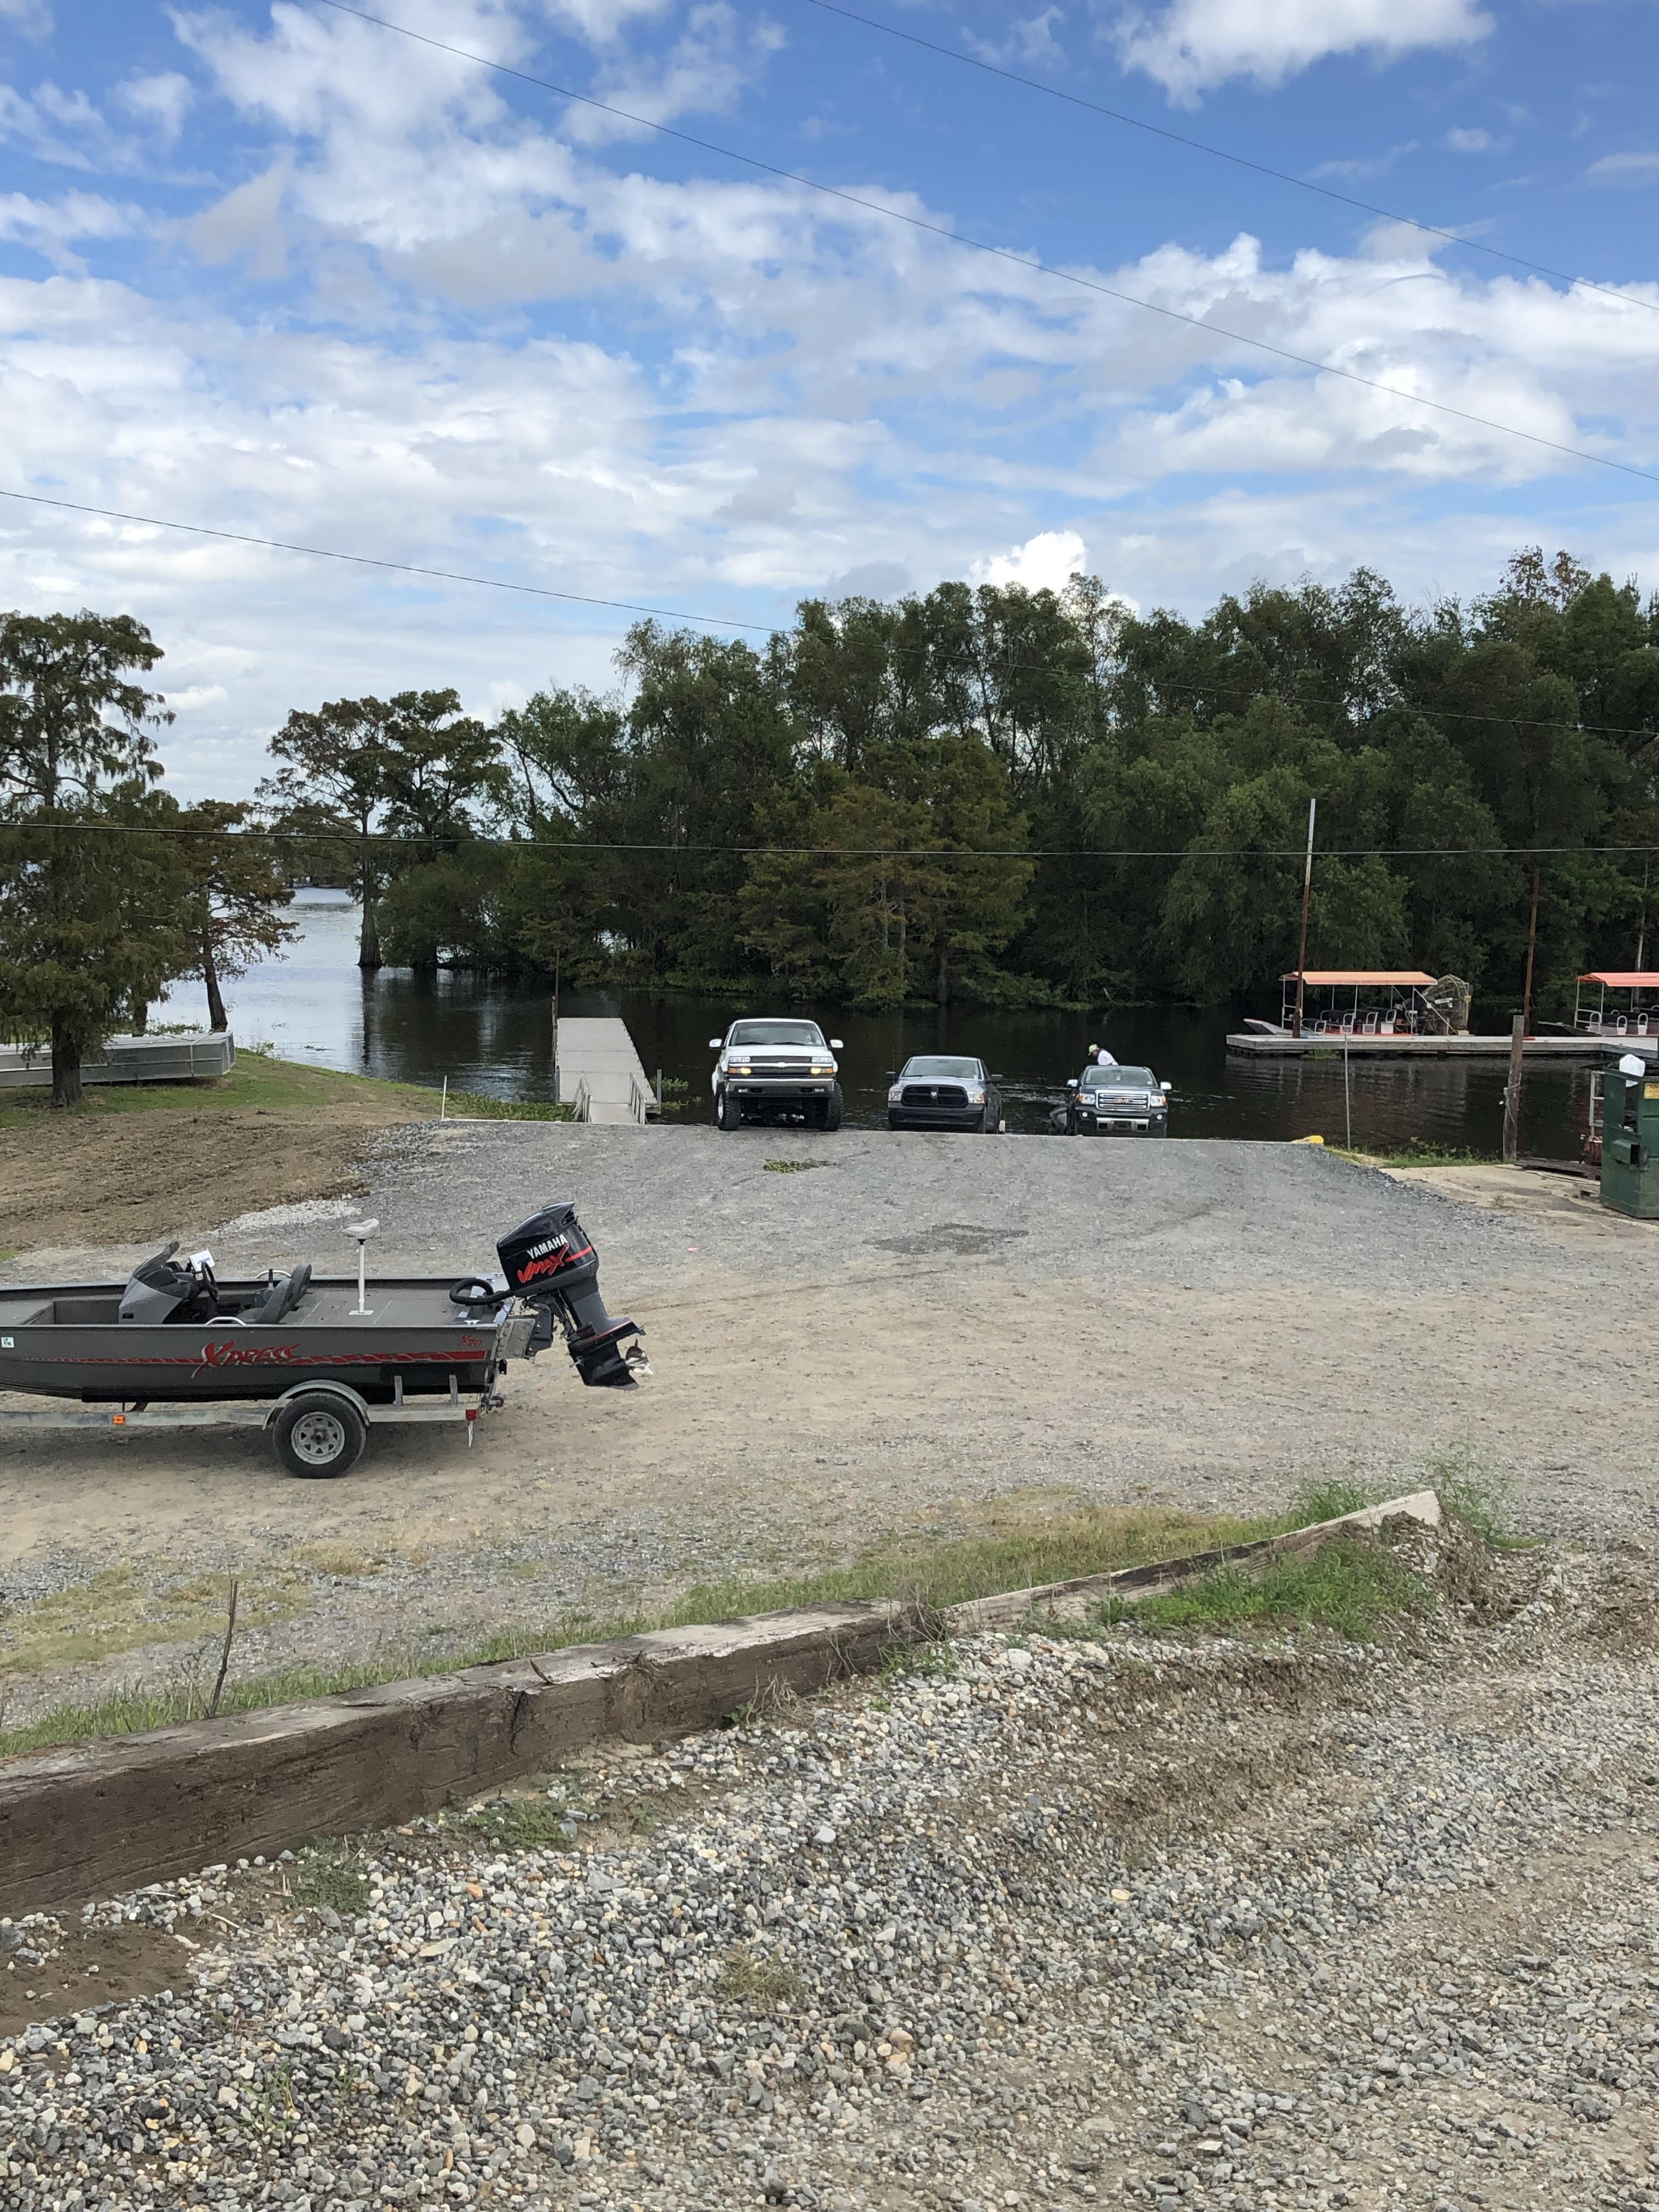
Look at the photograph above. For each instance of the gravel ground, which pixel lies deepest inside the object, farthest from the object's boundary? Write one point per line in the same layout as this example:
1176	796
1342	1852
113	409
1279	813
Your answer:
911	1335
1092	1920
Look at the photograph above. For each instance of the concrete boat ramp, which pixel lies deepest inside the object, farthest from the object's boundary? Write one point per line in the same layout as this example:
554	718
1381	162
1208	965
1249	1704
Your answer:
597	1070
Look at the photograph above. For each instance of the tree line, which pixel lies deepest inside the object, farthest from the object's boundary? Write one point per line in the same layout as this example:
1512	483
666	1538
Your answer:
990	794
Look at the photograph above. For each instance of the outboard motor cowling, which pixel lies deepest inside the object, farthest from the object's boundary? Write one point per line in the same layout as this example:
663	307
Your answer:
551	1263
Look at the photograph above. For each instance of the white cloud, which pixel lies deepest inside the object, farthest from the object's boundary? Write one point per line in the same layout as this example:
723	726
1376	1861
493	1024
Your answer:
162	102
1625	169
1472	141
1030	44
1192	45
34	18
52	124
1043	563
52	227
717	57
601	22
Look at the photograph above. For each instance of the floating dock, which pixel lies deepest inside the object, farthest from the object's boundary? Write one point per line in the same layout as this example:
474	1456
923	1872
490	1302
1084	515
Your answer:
190	1059
597	1071
1585	1051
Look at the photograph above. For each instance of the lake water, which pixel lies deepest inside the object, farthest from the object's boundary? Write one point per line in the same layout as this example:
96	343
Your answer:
313	1004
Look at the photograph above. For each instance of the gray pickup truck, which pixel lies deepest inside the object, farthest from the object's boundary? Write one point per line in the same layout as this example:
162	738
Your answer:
775	1071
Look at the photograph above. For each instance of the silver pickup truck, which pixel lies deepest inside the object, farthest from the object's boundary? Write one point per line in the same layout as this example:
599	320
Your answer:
775	1071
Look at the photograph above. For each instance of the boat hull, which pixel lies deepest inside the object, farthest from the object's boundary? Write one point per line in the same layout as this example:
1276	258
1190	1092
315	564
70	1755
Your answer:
410	1343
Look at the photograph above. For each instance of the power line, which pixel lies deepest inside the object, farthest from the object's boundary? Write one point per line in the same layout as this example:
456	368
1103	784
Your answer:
1223	154
574	848
1001	252
729	623
374	561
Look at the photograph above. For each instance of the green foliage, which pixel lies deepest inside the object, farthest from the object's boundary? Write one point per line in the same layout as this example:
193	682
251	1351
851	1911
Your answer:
518	1824
95	896
745	1978
324	1875
1351	1587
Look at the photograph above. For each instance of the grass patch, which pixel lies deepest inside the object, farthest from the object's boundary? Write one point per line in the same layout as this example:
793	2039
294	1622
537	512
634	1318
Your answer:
324	1875
746	1979
474	1106
1349	1586
259	1079
1020	1545
518	1824
114	1612
793	1167
1417	1154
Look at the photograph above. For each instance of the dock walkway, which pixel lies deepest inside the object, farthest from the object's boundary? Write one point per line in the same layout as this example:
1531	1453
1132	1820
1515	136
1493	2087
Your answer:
597	1070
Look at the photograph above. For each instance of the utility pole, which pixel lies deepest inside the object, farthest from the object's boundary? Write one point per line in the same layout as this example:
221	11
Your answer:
1532	946
1512	1094
1302	950
556	1025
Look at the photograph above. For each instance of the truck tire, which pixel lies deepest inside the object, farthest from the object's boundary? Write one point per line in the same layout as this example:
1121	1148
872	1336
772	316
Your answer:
832	1109
727	1112
318	1436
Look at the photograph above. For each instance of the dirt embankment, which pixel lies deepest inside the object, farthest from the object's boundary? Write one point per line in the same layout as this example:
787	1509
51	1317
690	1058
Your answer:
103	1181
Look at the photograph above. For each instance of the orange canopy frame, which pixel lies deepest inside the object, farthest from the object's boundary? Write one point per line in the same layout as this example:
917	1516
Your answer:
1623	979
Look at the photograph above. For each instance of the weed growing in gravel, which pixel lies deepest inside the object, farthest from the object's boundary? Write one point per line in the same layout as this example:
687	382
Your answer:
1478	1499
324	1875
1351	1587
746	1979
1328	1500
519	1824
793	1167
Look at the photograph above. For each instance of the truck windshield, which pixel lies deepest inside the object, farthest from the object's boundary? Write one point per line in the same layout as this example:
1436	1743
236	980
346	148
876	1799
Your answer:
806	1033
1120	1079
931	1067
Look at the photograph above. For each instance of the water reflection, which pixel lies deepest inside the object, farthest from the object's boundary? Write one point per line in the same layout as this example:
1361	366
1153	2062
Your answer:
315	1005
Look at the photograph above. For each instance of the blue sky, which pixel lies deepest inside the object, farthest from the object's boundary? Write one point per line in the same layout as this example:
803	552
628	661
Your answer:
275	270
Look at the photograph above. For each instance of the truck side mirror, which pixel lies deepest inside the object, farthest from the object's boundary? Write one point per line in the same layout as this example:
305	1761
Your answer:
835	1045
1071	1082
892	1075
1166	1087
715	1043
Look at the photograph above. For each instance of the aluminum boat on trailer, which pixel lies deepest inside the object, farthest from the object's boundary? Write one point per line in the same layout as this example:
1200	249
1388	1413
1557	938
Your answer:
316	1360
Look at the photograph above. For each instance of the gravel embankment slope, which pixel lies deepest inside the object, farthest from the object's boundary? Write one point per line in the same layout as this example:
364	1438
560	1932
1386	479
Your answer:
1083	1922
915	1334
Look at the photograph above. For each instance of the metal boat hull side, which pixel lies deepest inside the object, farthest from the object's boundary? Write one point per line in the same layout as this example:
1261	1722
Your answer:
116	1363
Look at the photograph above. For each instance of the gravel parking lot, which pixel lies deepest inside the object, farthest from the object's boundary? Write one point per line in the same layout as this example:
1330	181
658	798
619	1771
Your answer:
1100	1920
902	1333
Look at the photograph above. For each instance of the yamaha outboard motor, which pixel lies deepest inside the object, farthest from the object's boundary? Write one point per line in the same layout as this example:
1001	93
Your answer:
550	1262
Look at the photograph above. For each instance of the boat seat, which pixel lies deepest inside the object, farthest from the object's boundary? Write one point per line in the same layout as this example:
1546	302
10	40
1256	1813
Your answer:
281	1297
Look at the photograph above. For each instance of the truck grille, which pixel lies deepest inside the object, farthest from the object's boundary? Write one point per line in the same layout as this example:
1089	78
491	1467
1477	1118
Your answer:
934	1094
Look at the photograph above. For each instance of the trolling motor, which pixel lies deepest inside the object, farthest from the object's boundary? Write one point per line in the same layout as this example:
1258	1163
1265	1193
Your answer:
551	1263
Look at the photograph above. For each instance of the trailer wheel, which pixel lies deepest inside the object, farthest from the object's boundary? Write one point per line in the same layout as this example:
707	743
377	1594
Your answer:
317	1435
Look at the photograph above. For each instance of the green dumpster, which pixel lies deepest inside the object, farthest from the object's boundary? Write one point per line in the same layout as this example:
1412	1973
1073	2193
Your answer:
1629	1138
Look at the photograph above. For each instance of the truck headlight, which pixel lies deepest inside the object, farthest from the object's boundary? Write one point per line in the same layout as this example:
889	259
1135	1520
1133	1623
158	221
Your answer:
896	1094
738	1067
976	1095
823	1067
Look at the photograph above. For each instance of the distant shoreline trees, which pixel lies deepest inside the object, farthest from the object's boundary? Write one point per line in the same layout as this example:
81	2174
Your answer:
989	795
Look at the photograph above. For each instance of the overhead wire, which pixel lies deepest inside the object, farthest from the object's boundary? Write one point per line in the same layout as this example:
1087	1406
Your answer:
769	629
1225	153
574	848
1202	323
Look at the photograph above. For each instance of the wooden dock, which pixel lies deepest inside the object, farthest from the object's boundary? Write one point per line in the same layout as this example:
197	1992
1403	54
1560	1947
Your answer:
1584	1051
597	1071
190	1059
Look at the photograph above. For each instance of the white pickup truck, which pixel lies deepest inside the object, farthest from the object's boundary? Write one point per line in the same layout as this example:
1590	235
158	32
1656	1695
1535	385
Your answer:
775	1071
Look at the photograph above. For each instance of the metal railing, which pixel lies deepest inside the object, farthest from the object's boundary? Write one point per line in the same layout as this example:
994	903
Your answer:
582	1105
640	1101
